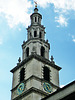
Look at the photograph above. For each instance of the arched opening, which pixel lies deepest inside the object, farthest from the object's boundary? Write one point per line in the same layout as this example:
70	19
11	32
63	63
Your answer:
40	35
46	74
22	74
38	19
35	19
35	33
27	51
42	51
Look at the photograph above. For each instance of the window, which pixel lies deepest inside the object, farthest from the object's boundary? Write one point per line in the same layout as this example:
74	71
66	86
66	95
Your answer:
46	74
40	35
27	51
22	74
42	51
35	19
38	19
35	33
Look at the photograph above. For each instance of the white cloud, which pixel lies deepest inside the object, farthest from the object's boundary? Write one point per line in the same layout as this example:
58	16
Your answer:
73	38
65	4
1	41
60	7
61	20
16	11
43	3
19	29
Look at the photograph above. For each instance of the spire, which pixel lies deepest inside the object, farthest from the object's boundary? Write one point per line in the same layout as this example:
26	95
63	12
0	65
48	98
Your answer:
36	30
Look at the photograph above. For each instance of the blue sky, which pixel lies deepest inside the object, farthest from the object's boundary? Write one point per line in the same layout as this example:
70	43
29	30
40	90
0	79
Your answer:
59	20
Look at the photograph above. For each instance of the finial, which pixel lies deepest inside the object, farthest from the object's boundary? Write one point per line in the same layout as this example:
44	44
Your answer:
47	41
52	60
23	42
19	60
35	4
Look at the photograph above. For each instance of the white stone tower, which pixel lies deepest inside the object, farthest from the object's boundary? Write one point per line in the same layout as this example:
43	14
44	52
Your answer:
35	76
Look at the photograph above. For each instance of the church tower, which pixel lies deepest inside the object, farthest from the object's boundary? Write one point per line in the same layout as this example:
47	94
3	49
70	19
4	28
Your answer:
35	77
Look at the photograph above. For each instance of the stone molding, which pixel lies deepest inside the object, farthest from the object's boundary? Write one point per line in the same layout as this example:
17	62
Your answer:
39	58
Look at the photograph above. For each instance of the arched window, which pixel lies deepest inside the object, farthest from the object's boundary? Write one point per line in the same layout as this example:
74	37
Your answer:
35	33
22	74
40	35
46	74
42	51
27	51
38	19
35	19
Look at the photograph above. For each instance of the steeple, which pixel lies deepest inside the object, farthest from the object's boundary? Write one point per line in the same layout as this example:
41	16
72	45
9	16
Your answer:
36	30
36	38
36	17
35	76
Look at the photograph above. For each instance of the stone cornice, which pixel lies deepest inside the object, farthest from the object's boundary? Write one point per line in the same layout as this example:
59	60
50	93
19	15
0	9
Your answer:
36	39
35	14
42	26
36	78
35	90
39	58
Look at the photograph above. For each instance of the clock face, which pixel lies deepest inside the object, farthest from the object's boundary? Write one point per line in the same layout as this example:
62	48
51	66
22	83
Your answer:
47	87
20	89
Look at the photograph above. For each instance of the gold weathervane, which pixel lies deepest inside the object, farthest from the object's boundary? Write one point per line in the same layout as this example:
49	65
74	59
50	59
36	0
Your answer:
35	3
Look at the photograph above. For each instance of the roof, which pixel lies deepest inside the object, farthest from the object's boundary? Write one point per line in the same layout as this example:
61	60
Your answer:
36	12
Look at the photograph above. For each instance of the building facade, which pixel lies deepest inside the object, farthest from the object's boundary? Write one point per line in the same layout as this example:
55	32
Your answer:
35	76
